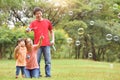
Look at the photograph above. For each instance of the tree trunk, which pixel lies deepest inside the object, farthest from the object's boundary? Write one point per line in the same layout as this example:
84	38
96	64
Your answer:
93	49
77	49
86	47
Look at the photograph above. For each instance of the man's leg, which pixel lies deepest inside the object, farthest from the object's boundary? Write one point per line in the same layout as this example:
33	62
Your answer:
39	54
47	58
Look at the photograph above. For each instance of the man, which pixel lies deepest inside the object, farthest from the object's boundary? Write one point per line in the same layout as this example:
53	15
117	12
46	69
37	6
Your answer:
42	27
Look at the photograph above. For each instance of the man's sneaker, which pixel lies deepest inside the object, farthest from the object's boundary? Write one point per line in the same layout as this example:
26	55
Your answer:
40	76
47	76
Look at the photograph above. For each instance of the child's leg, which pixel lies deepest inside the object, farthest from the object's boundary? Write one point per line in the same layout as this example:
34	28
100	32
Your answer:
23	71
17	71
27	73
35	73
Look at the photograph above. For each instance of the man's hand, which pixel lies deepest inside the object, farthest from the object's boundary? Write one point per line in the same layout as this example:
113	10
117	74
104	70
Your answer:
52	42
28	29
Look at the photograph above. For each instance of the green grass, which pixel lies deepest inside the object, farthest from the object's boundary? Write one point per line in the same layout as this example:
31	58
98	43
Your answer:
65	69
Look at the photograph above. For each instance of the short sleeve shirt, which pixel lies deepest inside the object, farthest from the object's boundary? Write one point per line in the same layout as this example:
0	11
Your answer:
41	28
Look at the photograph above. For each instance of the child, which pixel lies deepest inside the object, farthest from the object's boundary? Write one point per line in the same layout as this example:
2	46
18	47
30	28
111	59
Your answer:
32	68
20	56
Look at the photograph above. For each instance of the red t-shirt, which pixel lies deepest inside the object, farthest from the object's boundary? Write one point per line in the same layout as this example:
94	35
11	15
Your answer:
41	28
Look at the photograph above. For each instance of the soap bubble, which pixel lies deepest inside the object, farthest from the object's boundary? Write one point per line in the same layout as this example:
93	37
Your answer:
118	15
90	55
116	38
109	37
69	40
92	22
80	31
77	43
70	13
100	6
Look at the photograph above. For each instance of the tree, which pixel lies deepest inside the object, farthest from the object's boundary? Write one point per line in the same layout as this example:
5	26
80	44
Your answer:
97	17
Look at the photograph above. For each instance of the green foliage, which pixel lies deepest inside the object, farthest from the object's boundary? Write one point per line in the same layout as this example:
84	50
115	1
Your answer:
60	39
8	39
10	4
60	36
104	13
73	26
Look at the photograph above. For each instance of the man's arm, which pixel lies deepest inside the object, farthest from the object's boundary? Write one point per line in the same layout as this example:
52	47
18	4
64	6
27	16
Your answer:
53	37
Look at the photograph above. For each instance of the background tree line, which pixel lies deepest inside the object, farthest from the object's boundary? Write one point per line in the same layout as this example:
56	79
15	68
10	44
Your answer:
94	23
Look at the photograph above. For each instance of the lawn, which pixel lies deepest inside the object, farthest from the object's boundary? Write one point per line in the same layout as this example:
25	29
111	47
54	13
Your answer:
65	69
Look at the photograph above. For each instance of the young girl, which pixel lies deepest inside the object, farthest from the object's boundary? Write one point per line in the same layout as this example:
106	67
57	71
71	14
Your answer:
32	68
20	56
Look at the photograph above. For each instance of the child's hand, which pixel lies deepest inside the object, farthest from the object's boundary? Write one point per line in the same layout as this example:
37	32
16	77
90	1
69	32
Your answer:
40	41
41	37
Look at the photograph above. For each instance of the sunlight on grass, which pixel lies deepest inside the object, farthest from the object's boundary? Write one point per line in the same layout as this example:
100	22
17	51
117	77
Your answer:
68	70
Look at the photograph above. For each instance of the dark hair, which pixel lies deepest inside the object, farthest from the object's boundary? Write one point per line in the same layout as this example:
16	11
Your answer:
36	9
19	40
